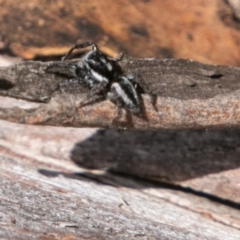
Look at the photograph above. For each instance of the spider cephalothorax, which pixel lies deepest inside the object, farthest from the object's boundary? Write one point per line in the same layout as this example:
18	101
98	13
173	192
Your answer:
105	78
96	68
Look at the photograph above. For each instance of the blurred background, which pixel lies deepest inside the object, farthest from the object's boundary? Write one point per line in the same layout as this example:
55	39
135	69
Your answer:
206	31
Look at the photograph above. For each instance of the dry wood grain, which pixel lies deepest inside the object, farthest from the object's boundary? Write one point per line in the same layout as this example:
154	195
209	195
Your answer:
190	95
45	196
146	184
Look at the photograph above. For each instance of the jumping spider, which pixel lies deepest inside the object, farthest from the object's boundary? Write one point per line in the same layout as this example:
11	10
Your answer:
105	79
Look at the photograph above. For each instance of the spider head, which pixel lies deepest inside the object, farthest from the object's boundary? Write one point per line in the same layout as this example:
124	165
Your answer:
103	65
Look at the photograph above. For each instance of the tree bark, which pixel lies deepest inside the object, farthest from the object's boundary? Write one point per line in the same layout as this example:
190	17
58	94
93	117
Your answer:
190	95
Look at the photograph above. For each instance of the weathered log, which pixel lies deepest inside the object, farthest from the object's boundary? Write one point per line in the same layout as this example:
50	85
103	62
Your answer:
43	195
190	95
176	185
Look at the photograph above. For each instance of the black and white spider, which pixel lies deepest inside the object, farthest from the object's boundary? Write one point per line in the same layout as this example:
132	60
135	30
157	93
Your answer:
104	77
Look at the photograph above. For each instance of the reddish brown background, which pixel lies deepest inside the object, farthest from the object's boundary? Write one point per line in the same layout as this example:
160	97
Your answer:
207	31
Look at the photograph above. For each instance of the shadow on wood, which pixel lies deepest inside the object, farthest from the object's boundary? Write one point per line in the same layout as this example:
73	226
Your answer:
170	156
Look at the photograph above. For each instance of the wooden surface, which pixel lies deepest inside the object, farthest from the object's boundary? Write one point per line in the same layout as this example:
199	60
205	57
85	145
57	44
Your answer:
45	196
140	184
85	183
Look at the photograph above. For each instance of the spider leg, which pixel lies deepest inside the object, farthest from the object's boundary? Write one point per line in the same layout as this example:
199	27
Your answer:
129	120
78	46
118	58
96	95
119	111
98	89
145	89
115	120
92	100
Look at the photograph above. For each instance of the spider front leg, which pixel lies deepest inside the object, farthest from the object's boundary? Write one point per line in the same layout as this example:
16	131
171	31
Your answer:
118	58
96	94
113	97
80	45
116	123
119	111
92	100
98	89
